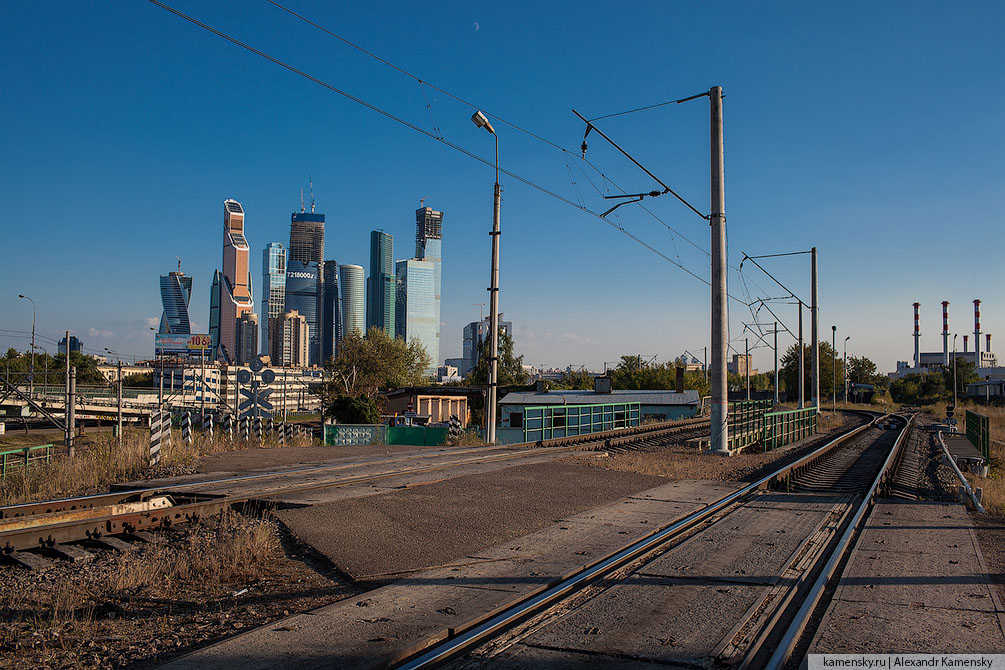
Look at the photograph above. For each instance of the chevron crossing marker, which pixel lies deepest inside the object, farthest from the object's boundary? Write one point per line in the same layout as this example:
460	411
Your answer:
186	428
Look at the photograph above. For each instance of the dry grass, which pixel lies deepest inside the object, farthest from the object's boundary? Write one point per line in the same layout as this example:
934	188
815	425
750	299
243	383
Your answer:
468	438
99	461
228	549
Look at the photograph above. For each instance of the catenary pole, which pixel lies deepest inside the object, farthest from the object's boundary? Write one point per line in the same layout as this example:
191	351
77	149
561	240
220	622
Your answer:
118	402
490	413
719	439
801	357
68	437
815	333
776	363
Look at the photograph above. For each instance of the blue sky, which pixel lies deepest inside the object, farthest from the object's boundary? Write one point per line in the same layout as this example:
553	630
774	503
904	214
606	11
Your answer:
874	131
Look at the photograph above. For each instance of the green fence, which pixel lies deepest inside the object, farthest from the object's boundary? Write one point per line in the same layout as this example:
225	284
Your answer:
979	433
417	436
24	458
746	422
341	435
781	428
544	422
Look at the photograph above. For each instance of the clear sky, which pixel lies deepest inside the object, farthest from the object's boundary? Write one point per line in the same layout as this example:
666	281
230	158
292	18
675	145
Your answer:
874	131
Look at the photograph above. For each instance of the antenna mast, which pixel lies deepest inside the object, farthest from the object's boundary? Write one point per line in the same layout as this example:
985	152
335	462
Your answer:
179	263
311	180
301	200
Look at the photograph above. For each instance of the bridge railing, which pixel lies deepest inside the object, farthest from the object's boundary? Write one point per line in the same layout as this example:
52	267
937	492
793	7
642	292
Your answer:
746	422
23	458
782	428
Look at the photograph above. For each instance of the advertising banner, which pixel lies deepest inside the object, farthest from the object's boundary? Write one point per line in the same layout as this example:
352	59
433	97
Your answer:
181	345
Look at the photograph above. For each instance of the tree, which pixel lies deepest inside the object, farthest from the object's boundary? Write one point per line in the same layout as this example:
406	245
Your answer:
575	380
367	364
635	374
509	369
138	380
789	371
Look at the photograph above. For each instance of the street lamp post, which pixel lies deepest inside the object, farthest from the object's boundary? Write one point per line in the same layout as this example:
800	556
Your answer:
118	397
160	364
481	121
954	368
31	362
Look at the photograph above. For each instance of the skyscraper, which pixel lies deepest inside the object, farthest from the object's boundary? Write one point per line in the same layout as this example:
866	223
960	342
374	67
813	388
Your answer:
246	338
307	237
235	284
331	311
353	314
303	294
414	307
380	284
428	247
176	292
273	287
474	335
288	340
214	314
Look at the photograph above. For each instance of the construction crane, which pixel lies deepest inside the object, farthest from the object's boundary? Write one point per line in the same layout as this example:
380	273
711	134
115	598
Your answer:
422	201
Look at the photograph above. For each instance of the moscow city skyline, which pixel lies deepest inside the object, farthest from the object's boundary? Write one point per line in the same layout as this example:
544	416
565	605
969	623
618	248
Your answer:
126	162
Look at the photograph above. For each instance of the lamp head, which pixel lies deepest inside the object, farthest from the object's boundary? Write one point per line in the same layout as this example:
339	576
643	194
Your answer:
19	295
481	121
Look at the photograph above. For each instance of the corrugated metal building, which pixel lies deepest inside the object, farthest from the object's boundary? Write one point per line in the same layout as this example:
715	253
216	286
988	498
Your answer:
654	405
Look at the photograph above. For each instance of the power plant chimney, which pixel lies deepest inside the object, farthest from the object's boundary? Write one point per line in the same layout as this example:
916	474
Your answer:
987	342
977	334
966	338
945	333
917	337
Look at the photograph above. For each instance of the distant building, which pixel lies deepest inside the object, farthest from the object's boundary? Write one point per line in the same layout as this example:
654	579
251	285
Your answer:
303	294
474	334
176	293
235	284
429	247
214	314
415	307
739	365
307	237
653	405
273	287
75	345
246	338
448	373
381	282
353	301
289	340
331	311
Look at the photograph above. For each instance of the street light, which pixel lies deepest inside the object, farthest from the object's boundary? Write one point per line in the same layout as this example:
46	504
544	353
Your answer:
31	362
118	399
160	362
481	121
954	369
45	375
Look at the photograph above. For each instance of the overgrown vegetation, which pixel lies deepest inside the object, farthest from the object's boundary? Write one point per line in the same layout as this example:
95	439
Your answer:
99	461
49	369
928	388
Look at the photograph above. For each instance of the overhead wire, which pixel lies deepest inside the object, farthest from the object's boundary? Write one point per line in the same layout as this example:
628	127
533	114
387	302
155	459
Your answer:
423	131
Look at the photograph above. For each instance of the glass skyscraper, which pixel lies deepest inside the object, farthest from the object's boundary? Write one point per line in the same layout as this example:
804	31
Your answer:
235	283
474	338
303	294
353	313
331	311
380	283
307	237
176	292
273	288
415	315
428	247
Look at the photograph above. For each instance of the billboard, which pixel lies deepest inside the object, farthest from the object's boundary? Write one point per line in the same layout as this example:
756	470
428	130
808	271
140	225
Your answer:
168	344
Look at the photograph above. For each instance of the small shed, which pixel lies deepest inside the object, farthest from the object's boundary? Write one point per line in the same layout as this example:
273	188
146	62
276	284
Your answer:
653	405
439	403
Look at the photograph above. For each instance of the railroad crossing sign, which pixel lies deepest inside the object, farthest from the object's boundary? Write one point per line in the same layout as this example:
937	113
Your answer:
256	403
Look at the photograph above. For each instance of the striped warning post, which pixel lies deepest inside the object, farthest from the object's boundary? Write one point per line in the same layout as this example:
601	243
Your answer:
289	432
258	429
246	429
166	428
156	425
228	427
207	425
272	428
186	428
282	436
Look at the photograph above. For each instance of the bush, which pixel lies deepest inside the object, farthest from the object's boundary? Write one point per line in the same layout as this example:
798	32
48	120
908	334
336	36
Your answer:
354	409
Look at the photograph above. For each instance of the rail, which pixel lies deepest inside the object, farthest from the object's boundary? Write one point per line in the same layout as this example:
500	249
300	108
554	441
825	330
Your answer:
455	641
24	458
948	458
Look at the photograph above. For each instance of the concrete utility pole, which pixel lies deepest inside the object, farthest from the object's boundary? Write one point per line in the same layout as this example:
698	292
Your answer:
746	362
719	442
834	371
71	411
68	437
815	332
801	356
118	395
844	371
776	363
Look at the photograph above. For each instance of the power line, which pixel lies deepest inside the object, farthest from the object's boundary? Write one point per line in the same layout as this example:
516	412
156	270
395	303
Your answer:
642	109
421	130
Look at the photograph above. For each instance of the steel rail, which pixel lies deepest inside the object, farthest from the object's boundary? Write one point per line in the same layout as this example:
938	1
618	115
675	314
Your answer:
785	646
22	532
457	640
49	506
959	475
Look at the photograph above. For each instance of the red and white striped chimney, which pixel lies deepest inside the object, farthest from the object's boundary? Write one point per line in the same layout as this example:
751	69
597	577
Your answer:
917	336
945	333
977	334
987	341
966	338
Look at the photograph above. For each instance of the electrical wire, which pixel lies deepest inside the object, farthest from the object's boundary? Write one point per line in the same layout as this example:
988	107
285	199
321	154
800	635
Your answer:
423	131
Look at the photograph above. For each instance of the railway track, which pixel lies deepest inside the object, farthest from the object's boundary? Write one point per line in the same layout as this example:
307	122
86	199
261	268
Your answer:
639	604
126	514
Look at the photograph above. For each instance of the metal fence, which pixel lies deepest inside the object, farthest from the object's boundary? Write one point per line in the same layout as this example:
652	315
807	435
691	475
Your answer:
979	433
16	459
781	428
746	422
544	422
